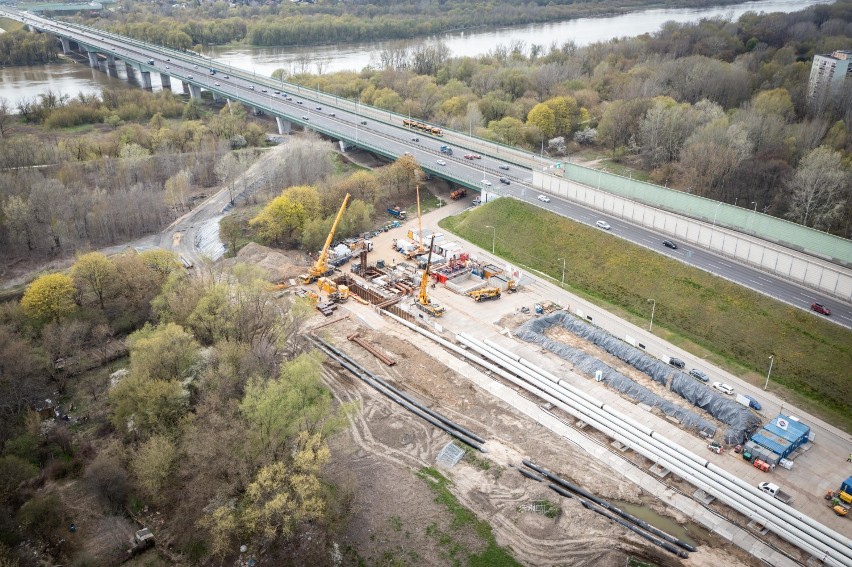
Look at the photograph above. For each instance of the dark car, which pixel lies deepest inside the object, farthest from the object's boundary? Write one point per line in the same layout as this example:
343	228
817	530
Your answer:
820	308
695	373
669	244
363	123
676	362
752	403
505	181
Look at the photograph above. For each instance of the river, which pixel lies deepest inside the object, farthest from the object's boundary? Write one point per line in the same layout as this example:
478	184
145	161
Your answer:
71	78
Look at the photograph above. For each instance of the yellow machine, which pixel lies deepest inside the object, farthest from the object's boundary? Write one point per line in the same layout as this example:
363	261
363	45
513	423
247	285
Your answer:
320	269
337	293
423	301
485	293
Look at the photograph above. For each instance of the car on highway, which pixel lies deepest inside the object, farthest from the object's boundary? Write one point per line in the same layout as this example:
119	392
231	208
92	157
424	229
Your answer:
505	181
363	123
305	118
752	403
441	162
476	156
415	139
217	84
544	198
195	67
504	166
277	92
669	244
676	362
319	108
486	183
603	224
263	90
468	156
298	102
226	77
189	77
332	114
724	388
699	374
251	87
820	308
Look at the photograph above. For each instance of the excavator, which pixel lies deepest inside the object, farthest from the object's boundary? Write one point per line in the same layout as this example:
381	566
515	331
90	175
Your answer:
423	301
320	269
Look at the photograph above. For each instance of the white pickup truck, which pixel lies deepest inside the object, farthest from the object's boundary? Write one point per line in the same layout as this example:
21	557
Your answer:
775	490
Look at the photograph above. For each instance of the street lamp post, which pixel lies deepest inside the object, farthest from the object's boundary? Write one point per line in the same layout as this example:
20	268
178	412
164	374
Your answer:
771	360
493	236
563	270
653	307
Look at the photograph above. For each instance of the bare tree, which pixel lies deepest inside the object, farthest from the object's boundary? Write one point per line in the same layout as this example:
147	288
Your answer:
817	190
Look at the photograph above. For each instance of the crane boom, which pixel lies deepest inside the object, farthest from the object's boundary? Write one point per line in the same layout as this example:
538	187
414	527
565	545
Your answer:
422	296
423	300
320	268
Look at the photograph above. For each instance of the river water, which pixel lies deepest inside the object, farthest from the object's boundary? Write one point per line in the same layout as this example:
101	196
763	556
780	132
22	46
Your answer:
71	78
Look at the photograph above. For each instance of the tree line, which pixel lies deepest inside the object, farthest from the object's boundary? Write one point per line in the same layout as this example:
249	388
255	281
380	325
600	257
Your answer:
286	23
129	174
719	108
24	48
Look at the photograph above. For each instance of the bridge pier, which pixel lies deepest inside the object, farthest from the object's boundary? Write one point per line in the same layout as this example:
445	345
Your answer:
66	45
131	71
166	81
217	97
145	79
194	90
110	60
185	87
93	59
284	125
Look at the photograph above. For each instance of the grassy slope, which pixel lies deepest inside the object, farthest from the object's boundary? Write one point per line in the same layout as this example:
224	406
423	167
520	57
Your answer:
706	314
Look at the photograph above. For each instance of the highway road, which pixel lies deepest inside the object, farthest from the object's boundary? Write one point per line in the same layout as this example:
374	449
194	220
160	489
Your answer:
377	130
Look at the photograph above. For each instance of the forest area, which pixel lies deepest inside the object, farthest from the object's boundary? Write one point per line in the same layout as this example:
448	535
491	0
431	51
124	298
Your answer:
323	21
717	108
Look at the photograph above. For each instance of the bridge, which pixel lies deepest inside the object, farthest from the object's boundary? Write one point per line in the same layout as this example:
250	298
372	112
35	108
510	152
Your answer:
800	256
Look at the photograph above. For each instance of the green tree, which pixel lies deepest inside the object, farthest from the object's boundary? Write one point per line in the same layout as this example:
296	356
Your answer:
231	231
165	352
542	117
153	464
163	262
282	220
49	298
143	406
566	113
96	274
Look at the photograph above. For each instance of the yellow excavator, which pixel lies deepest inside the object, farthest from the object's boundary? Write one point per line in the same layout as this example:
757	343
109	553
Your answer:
423	301
320	269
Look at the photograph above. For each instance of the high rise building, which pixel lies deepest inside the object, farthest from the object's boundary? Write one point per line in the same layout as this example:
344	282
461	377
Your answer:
830	74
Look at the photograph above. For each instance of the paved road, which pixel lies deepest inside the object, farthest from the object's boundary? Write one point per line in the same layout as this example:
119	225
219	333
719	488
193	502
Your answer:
374	128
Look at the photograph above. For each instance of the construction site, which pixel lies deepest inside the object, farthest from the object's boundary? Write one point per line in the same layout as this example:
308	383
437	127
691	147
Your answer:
530	400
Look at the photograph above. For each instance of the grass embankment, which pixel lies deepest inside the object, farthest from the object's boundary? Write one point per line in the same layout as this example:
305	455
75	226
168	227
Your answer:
491	556
729	325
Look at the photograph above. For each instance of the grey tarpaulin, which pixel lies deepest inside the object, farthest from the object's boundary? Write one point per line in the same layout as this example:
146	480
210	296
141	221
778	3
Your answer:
741	421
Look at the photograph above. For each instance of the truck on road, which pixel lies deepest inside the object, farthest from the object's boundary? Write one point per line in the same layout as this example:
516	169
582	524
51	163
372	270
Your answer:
458	194
397	212
447	150
775	490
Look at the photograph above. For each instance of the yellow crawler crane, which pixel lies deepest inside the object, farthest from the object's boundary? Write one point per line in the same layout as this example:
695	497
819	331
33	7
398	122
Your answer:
320	269
423	301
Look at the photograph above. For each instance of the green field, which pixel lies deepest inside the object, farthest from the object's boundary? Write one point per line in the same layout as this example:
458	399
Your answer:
729	325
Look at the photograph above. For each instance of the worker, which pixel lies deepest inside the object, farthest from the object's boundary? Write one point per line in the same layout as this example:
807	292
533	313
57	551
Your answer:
849	458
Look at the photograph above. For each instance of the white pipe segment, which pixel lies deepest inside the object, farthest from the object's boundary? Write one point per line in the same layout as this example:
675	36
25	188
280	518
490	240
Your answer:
735	489
694	475
608	420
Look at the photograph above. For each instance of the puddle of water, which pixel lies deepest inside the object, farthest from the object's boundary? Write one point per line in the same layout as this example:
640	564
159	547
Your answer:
660	522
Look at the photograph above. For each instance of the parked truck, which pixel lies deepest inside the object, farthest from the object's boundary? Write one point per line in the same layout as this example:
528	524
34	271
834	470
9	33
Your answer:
397	212
775	490
458	194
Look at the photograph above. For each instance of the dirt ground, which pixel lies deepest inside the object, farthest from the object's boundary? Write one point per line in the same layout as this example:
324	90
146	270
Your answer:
396	517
